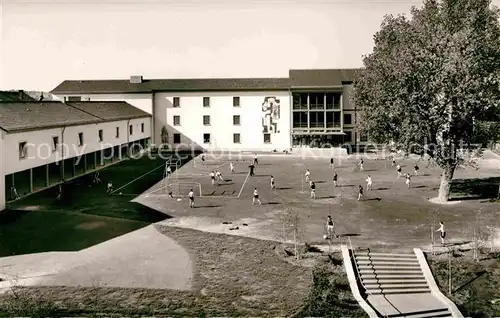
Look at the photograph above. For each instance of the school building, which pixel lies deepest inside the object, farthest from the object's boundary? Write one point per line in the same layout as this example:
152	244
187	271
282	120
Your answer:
309	108
43	143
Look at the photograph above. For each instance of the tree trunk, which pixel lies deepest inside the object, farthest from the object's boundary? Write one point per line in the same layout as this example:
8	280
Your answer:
444	187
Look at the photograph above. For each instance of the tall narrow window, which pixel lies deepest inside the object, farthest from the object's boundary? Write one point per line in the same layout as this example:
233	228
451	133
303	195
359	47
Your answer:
236	101
55	143
177	120
206	138
206	101
236	120
267	138
23	151
206	120
101	135
80	139
177	102
142	127
236	138
117	132
131	130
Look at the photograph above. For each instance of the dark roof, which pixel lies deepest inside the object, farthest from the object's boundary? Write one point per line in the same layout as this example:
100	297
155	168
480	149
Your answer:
321	77
110	110
171	85
14	96
24	116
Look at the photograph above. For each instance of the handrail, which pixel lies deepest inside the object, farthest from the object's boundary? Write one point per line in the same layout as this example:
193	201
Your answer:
353	260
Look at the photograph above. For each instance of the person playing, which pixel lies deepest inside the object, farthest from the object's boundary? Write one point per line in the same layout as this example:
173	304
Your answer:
231	167
361	165
255	160
59	192
212	177
332	163
369	183
330	228
360	192
252	168
415	169
408	180
272	183
393	162
398	169
335	179
97	179
443	232
218	175
307	175
14	193
203	158
256	197
313	190
110	187
191	198
169	171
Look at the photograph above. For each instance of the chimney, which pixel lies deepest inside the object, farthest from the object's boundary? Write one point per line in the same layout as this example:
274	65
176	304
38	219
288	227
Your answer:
137	79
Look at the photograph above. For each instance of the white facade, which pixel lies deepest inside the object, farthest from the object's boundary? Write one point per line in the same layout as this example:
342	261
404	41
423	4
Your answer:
221	111
221	123
40	149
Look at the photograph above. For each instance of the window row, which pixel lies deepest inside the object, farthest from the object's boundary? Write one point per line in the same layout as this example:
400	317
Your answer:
207	121
176	102
207	138
316	100
23	145
319	119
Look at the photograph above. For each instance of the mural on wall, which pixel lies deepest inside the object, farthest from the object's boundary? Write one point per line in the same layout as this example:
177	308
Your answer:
270	115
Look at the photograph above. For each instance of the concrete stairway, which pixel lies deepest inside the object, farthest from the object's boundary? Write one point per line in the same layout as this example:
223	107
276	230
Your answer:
397	285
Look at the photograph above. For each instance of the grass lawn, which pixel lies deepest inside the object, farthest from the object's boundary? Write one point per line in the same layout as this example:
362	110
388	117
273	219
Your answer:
474	283
85	216
235	276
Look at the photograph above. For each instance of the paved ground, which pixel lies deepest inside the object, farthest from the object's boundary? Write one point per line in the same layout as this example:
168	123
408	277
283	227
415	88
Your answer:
390	217
142	259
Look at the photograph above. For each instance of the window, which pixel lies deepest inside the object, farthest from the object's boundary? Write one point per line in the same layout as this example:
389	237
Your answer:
236	138
348	136
206	120
55	143
74	99
177	102
236	101
80	139
117	132
177	138
206	138
206	101
267	138
23	150
363	137
347	119
131	130
100	135
177	120
236	120
142	127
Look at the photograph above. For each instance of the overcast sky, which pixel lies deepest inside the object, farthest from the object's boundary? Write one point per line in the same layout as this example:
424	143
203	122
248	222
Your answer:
46	42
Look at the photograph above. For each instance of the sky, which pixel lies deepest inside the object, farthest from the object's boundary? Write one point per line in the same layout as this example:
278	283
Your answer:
46	42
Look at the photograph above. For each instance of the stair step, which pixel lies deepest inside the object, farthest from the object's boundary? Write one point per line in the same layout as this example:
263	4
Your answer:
393	271
399	291
388	265
387	259
395	286
441	312
362	253
385	276
394	281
